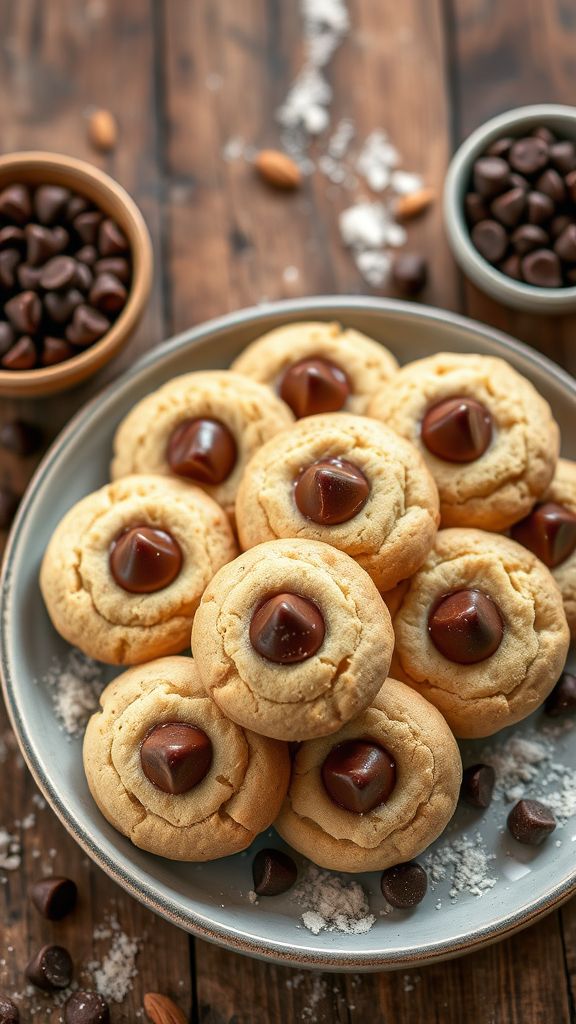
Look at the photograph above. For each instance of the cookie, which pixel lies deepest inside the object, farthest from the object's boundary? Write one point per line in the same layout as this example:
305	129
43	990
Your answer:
488	437
348	481
550	532
202	427
171	772
379	791
318	367
126	567
480	631
292	639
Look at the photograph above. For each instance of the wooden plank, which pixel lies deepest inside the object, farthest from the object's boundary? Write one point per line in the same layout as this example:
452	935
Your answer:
56	61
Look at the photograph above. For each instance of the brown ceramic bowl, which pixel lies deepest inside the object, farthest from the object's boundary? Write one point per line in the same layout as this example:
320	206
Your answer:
37	168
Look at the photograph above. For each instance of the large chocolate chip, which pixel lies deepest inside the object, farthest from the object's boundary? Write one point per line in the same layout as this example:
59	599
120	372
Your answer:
43	243
9	260
108	294
203	450
490	175
565	244
144	559
475	207
56	350
542	268
58	273
54	897
274	872
22	355
465	626
50	969
549	531
86	1008
287	628
111	239
359	775
558	225
24	312
331	491
61	305
9	502
531	822
9	1013
404	886
563	696
490	239
75	205
314	386
15	203
529	156
87	326
457	429
410	273
528	237
539	208
478	785
50	202
176	756
20	437
551	184
509	207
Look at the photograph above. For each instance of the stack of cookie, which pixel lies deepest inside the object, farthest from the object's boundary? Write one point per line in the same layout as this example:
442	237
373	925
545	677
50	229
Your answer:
331	470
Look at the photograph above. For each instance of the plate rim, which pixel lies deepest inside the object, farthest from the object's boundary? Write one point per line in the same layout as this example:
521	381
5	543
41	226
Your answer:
146	891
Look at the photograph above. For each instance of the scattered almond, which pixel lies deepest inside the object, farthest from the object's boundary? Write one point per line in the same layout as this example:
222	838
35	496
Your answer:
161	1010
414	203
103	130
278	169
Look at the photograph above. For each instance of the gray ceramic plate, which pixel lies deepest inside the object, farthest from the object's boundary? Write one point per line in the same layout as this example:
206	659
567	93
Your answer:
210	900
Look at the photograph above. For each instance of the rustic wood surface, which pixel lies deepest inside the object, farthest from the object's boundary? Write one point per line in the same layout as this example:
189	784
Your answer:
183	77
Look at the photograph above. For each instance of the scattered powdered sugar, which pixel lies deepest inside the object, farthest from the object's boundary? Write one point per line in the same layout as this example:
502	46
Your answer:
114	974
10	851
524	766
75	685
465	862
376	161
332	904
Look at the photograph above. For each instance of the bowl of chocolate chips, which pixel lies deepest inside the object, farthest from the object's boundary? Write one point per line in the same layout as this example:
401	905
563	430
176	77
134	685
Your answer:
510	208
75	271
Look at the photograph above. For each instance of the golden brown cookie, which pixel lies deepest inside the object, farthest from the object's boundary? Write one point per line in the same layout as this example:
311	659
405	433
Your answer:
201	427
126	567
347	481
488	437
171	772
379	791
550	532
480	631
292	639
318	367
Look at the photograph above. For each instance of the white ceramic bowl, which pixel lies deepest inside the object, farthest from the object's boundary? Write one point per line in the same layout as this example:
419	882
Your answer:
210	900
518	122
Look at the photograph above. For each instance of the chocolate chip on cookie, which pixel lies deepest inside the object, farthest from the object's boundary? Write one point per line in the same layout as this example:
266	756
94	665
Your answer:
457	429
144	559
359	775
331	491
176	756
314	386
202	450
287	628
549	531
466	626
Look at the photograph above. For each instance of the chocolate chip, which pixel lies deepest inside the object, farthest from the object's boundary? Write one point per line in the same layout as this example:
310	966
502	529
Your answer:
58	273
475	208
28	277
286	629
500	147
54	897
509	207
465	626
75	205
519	181
490	239
563	156
512	266
86	226
50	969
50	203
331	491
9	260
565	244
87	254
457	429
15	203
20	437
61	305
549	531
87	326
529	156
203	450
542	268
539	208
528	237
9	502
176	756
108	294
111	239
86	1008
563	696
84	277
543	132
144	559
9	1013
24	312
478	785
22	355
116	265
12	237
570	181
313	386
551	184
531	822
404	886
410	273
56	350
490	176
558	224
274	872
43	243
6	337
359	775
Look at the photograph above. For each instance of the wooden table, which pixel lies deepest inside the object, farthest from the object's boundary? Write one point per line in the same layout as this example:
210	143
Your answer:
184	77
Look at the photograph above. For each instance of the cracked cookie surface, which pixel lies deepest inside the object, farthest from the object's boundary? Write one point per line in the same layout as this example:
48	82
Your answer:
481	698
391	533
238	797
86	604
314	696
501	485
428	775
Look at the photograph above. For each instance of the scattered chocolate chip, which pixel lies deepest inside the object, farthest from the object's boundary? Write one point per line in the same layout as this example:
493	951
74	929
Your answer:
56	350
563	696
542	268
86	1008
87	325
312	386
61	305
203	450
24	312
50	969
565	244
509	207
144	559
465	626
549	531
9	502
50	203
286	629
475	208
563	156
22	355
9	1013
490	239
410	273
9	260
529	156
176	756
528	237
20	437
552	185
491	176
478	785
108	294
15	204
273	872
331	491
86	226
404	886
111	239
539	208
359	775
54	897
6	337
457	429
531	822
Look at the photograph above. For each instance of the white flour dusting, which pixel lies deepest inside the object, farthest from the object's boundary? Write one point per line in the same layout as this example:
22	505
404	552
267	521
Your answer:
465	862
526	767
10	851
331	904
75	685
115	973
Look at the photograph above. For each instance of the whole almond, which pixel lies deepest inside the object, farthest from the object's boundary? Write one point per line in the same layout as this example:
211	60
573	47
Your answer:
414	203
161	1010
278	169
103	130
